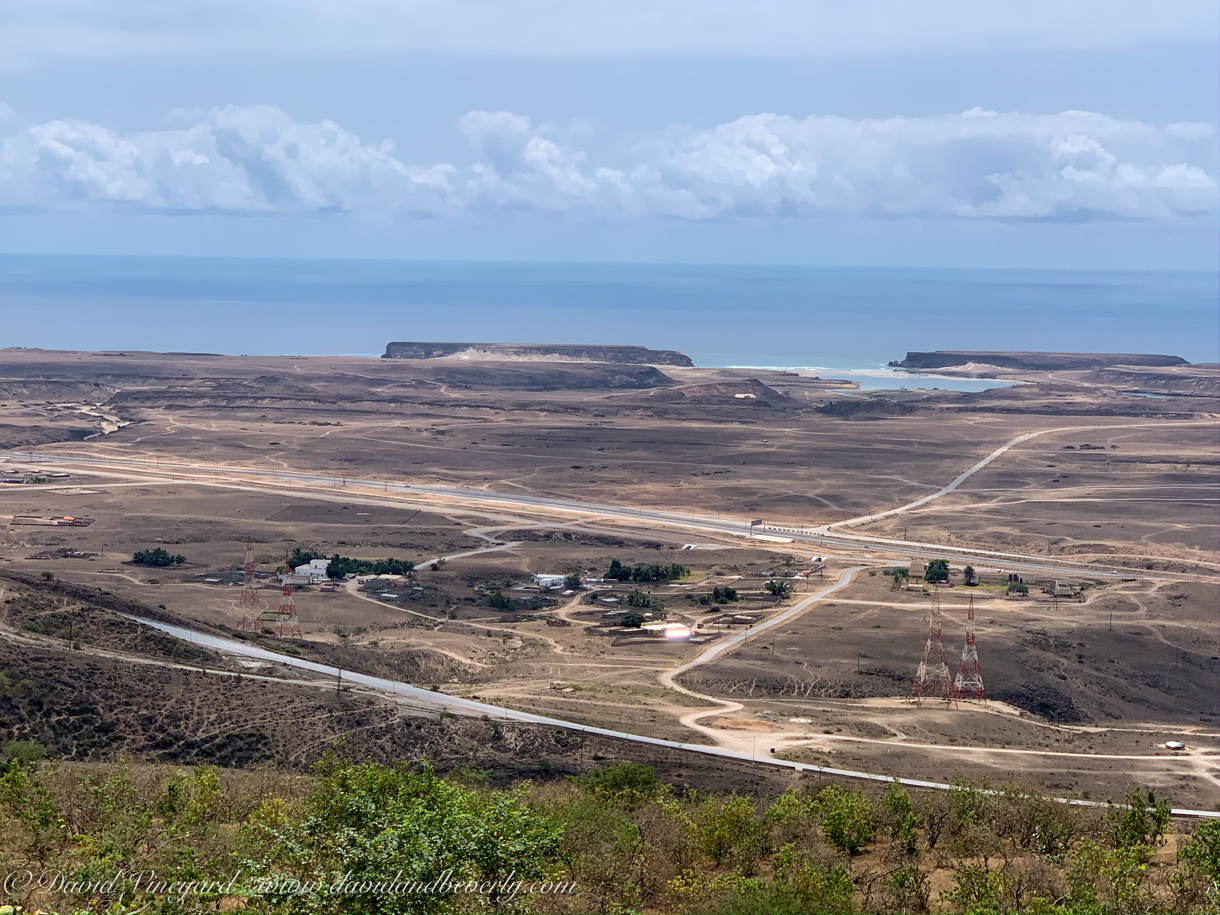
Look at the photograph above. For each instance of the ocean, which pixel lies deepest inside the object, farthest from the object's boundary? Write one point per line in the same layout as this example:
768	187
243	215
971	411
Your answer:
808	317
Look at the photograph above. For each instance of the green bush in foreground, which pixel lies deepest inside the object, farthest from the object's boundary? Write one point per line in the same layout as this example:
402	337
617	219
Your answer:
363	837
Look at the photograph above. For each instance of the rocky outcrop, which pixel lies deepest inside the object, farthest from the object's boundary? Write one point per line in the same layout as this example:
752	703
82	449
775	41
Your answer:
541	352
1032	362
1192	381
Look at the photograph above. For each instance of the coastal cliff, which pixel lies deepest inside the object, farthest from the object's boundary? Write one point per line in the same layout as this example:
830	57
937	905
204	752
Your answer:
615	355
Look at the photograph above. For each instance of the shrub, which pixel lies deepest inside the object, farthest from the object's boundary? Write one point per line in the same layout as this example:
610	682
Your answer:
899	817
1140	822
501	601
846	818
624	780
24	751
730	830
799	886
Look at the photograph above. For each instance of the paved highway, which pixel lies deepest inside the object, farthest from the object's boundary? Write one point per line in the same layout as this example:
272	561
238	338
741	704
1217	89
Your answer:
427	699
323	486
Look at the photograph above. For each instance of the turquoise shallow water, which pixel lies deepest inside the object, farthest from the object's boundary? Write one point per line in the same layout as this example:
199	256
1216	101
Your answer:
834	318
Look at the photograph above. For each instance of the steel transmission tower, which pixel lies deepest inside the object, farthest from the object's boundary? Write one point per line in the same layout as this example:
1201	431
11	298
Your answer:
969	682
932	679
287	626
250	603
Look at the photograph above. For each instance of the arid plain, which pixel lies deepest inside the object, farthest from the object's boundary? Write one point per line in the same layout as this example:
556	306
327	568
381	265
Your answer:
526	467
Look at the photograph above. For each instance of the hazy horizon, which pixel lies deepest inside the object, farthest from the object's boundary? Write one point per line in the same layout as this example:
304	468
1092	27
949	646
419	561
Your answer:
759	315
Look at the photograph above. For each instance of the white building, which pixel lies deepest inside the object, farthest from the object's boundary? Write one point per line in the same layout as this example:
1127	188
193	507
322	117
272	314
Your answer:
546	582
313	572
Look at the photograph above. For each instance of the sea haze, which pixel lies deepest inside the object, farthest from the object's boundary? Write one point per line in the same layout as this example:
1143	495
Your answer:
719	315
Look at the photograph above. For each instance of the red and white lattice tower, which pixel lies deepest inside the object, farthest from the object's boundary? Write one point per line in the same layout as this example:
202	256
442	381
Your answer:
932	679
287	626
251	606
969	682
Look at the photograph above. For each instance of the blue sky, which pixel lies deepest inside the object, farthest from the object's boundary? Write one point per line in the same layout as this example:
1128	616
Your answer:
1065	134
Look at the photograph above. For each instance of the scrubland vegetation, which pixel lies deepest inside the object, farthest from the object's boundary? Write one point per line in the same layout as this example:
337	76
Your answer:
616	840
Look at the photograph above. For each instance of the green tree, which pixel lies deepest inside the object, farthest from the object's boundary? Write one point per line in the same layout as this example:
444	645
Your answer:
366	823
1107	880
638	599
633	620
1198	876
501	601
968	575
1140	822
1018	587
730	830
778	588
900	818
846	818
573	582
937	570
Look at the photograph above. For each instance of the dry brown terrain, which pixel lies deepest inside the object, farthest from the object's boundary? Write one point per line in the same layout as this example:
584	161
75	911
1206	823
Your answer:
782	446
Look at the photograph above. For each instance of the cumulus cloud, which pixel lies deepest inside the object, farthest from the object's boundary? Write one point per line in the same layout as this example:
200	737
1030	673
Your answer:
975	165
249	159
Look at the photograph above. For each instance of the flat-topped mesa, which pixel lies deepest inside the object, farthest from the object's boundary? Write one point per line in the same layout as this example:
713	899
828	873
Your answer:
1032	362
537	352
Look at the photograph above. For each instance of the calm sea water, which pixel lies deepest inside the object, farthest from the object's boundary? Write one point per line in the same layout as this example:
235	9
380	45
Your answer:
719	315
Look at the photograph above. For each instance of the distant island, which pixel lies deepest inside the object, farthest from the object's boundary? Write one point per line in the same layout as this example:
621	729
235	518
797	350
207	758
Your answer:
616	355
1032	362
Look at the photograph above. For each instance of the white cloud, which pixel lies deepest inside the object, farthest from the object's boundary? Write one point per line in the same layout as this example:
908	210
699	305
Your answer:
975	165
250	159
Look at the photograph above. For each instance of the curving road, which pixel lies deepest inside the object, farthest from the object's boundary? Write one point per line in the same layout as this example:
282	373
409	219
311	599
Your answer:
727	706
429	700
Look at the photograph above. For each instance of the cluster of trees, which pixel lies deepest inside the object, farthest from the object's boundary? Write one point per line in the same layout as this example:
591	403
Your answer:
721	594
643	574
157	558
615	840
778	588
938	570
342	566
